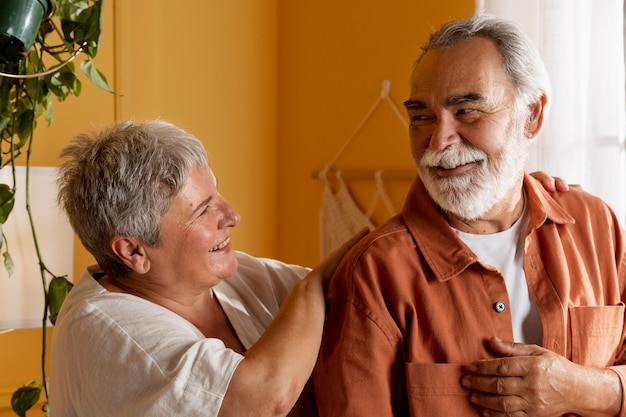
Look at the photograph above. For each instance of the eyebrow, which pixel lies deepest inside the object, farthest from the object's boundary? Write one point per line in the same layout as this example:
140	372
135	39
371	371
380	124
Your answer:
201	205
451	101
465	98
415	105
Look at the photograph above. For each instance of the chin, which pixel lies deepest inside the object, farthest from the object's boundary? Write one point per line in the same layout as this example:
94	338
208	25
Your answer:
233	265
223	266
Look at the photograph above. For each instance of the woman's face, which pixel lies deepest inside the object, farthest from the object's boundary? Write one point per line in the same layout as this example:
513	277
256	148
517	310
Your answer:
195	251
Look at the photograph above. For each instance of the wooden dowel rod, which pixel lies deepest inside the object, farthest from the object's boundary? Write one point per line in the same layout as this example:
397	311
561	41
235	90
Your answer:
367	174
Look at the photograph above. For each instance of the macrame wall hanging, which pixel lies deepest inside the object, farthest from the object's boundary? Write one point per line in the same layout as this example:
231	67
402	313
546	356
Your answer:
340	215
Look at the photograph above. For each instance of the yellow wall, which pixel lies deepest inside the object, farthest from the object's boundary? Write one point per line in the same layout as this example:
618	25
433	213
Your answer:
210	67
273	88
333	57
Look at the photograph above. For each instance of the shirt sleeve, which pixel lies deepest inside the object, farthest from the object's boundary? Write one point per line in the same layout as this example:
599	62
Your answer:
268	278
620	369
359	371
253	296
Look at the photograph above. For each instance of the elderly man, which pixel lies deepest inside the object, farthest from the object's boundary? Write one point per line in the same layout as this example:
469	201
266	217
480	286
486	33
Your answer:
487	295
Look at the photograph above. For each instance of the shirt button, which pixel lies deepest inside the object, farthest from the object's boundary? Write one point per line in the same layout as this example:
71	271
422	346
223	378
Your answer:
499	306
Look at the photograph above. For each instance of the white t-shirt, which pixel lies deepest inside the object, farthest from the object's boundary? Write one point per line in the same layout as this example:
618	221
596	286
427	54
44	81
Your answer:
115	354
505	251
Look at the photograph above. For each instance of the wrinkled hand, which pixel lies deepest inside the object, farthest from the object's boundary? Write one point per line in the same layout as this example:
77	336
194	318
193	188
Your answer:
551	183
526	380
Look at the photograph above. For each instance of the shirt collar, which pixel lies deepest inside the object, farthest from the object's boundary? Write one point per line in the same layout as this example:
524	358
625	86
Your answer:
542	206
447	255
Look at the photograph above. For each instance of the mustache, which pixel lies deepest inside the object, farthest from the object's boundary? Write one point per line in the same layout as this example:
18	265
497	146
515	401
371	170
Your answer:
452	156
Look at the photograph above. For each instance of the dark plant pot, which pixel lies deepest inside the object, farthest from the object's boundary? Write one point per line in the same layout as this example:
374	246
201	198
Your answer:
19	23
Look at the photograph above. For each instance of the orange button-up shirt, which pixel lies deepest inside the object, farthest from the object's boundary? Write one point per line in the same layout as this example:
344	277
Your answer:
411	303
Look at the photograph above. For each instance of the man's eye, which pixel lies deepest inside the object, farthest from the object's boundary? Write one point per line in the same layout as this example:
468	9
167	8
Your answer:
419	118
472	113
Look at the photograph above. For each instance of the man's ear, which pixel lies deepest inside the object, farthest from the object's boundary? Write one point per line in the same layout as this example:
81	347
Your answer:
132	252
536	116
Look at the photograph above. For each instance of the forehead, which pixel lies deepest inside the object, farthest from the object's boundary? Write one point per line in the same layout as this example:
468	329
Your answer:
200	185
471	66
200	180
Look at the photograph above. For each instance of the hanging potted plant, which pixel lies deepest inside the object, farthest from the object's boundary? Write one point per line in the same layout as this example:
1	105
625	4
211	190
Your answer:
19	24
39	40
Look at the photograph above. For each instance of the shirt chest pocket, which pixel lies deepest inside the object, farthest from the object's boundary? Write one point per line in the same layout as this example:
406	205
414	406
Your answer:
596	334
435	390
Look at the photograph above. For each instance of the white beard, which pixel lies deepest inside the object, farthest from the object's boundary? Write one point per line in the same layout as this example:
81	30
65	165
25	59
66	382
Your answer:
472	194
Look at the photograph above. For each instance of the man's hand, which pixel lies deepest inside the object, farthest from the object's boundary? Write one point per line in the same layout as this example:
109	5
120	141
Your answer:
528	380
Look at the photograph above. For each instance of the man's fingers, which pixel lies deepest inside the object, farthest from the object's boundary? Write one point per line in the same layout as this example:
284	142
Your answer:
507	348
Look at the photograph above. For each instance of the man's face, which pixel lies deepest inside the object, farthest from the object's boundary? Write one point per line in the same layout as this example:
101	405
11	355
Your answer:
467	137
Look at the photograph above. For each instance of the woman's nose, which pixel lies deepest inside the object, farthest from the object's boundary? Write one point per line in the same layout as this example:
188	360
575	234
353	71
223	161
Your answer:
231	217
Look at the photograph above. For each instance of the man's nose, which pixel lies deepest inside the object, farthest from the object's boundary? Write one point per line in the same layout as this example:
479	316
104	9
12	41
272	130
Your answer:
444	133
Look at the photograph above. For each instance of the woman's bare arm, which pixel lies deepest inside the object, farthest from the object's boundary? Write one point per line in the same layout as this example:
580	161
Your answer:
276	368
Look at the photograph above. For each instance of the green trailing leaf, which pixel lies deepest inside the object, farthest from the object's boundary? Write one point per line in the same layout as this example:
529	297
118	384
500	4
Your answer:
64	82
70	9
57	291
25	397
24	125
56	87
7	201
81	21
89	27
8	263
4	121
33	87
49	110
95	75
8	260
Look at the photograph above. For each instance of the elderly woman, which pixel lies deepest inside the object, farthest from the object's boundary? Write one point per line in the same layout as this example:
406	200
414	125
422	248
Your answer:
172	321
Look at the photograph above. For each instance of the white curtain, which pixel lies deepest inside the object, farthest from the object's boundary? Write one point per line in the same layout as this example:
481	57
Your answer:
582	44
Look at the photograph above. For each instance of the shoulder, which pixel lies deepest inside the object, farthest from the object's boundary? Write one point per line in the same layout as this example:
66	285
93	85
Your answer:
130	347
393	234
573	206
261	278
96	326
376	255
257	269
92	315
577	216
249	264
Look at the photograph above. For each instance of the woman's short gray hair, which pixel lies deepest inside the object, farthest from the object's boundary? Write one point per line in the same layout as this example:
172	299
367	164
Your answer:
521	59
121	180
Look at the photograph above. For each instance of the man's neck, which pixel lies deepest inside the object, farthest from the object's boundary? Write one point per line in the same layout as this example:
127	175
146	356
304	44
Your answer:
500	217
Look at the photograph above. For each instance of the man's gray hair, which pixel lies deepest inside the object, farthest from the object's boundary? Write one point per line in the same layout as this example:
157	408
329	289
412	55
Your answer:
522	61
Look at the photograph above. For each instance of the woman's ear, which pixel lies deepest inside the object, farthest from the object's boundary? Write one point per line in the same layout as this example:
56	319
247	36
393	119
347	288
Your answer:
132	252
536	116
